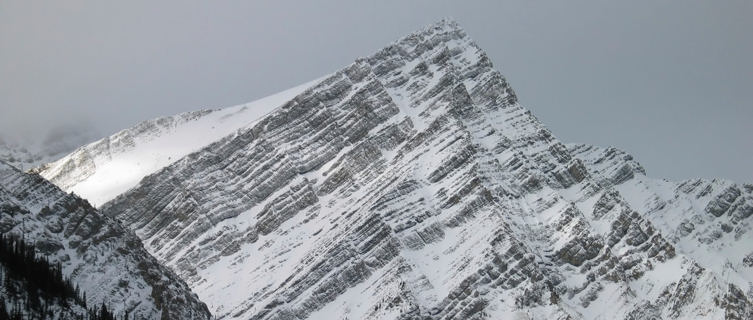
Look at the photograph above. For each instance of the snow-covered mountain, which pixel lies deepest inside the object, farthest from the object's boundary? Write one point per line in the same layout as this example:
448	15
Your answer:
107	262
412	184
110	166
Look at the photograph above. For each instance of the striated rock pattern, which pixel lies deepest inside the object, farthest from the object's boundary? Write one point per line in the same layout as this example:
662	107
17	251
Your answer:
105	168
412	185
108	262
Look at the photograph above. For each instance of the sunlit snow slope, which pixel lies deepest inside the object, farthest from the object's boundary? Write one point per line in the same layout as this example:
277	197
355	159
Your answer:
106	168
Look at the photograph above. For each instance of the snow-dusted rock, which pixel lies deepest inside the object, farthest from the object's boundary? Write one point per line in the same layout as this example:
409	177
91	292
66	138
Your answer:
110	166
108	262
412	185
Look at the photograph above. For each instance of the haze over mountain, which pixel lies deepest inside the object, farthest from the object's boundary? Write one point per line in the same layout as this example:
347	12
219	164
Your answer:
657	78
26	152
412	184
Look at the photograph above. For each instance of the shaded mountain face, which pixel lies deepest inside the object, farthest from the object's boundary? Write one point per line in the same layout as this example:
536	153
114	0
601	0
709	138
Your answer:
411	184
105	260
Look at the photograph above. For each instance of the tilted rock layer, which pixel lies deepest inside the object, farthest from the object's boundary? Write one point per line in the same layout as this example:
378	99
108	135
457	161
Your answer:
412	185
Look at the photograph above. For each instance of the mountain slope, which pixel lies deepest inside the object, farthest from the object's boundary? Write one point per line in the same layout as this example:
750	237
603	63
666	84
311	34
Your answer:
411	184
34	288
105	168
106	261
706	219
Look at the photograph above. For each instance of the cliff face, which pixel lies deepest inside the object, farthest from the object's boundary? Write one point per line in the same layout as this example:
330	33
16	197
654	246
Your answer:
411	184
107	262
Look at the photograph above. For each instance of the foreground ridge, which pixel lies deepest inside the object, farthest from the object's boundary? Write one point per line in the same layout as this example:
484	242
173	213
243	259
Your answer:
108	263
411	185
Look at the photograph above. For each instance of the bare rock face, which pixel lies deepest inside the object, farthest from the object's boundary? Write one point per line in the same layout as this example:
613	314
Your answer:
108	262
412	185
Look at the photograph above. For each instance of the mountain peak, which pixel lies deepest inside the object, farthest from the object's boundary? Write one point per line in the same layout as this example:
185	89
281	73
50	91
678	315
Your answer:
412	184
445	24
443	30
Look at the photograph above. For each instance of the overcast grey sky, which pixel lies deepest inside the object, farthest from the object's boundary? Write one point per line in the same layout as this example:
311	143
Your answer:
669	81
